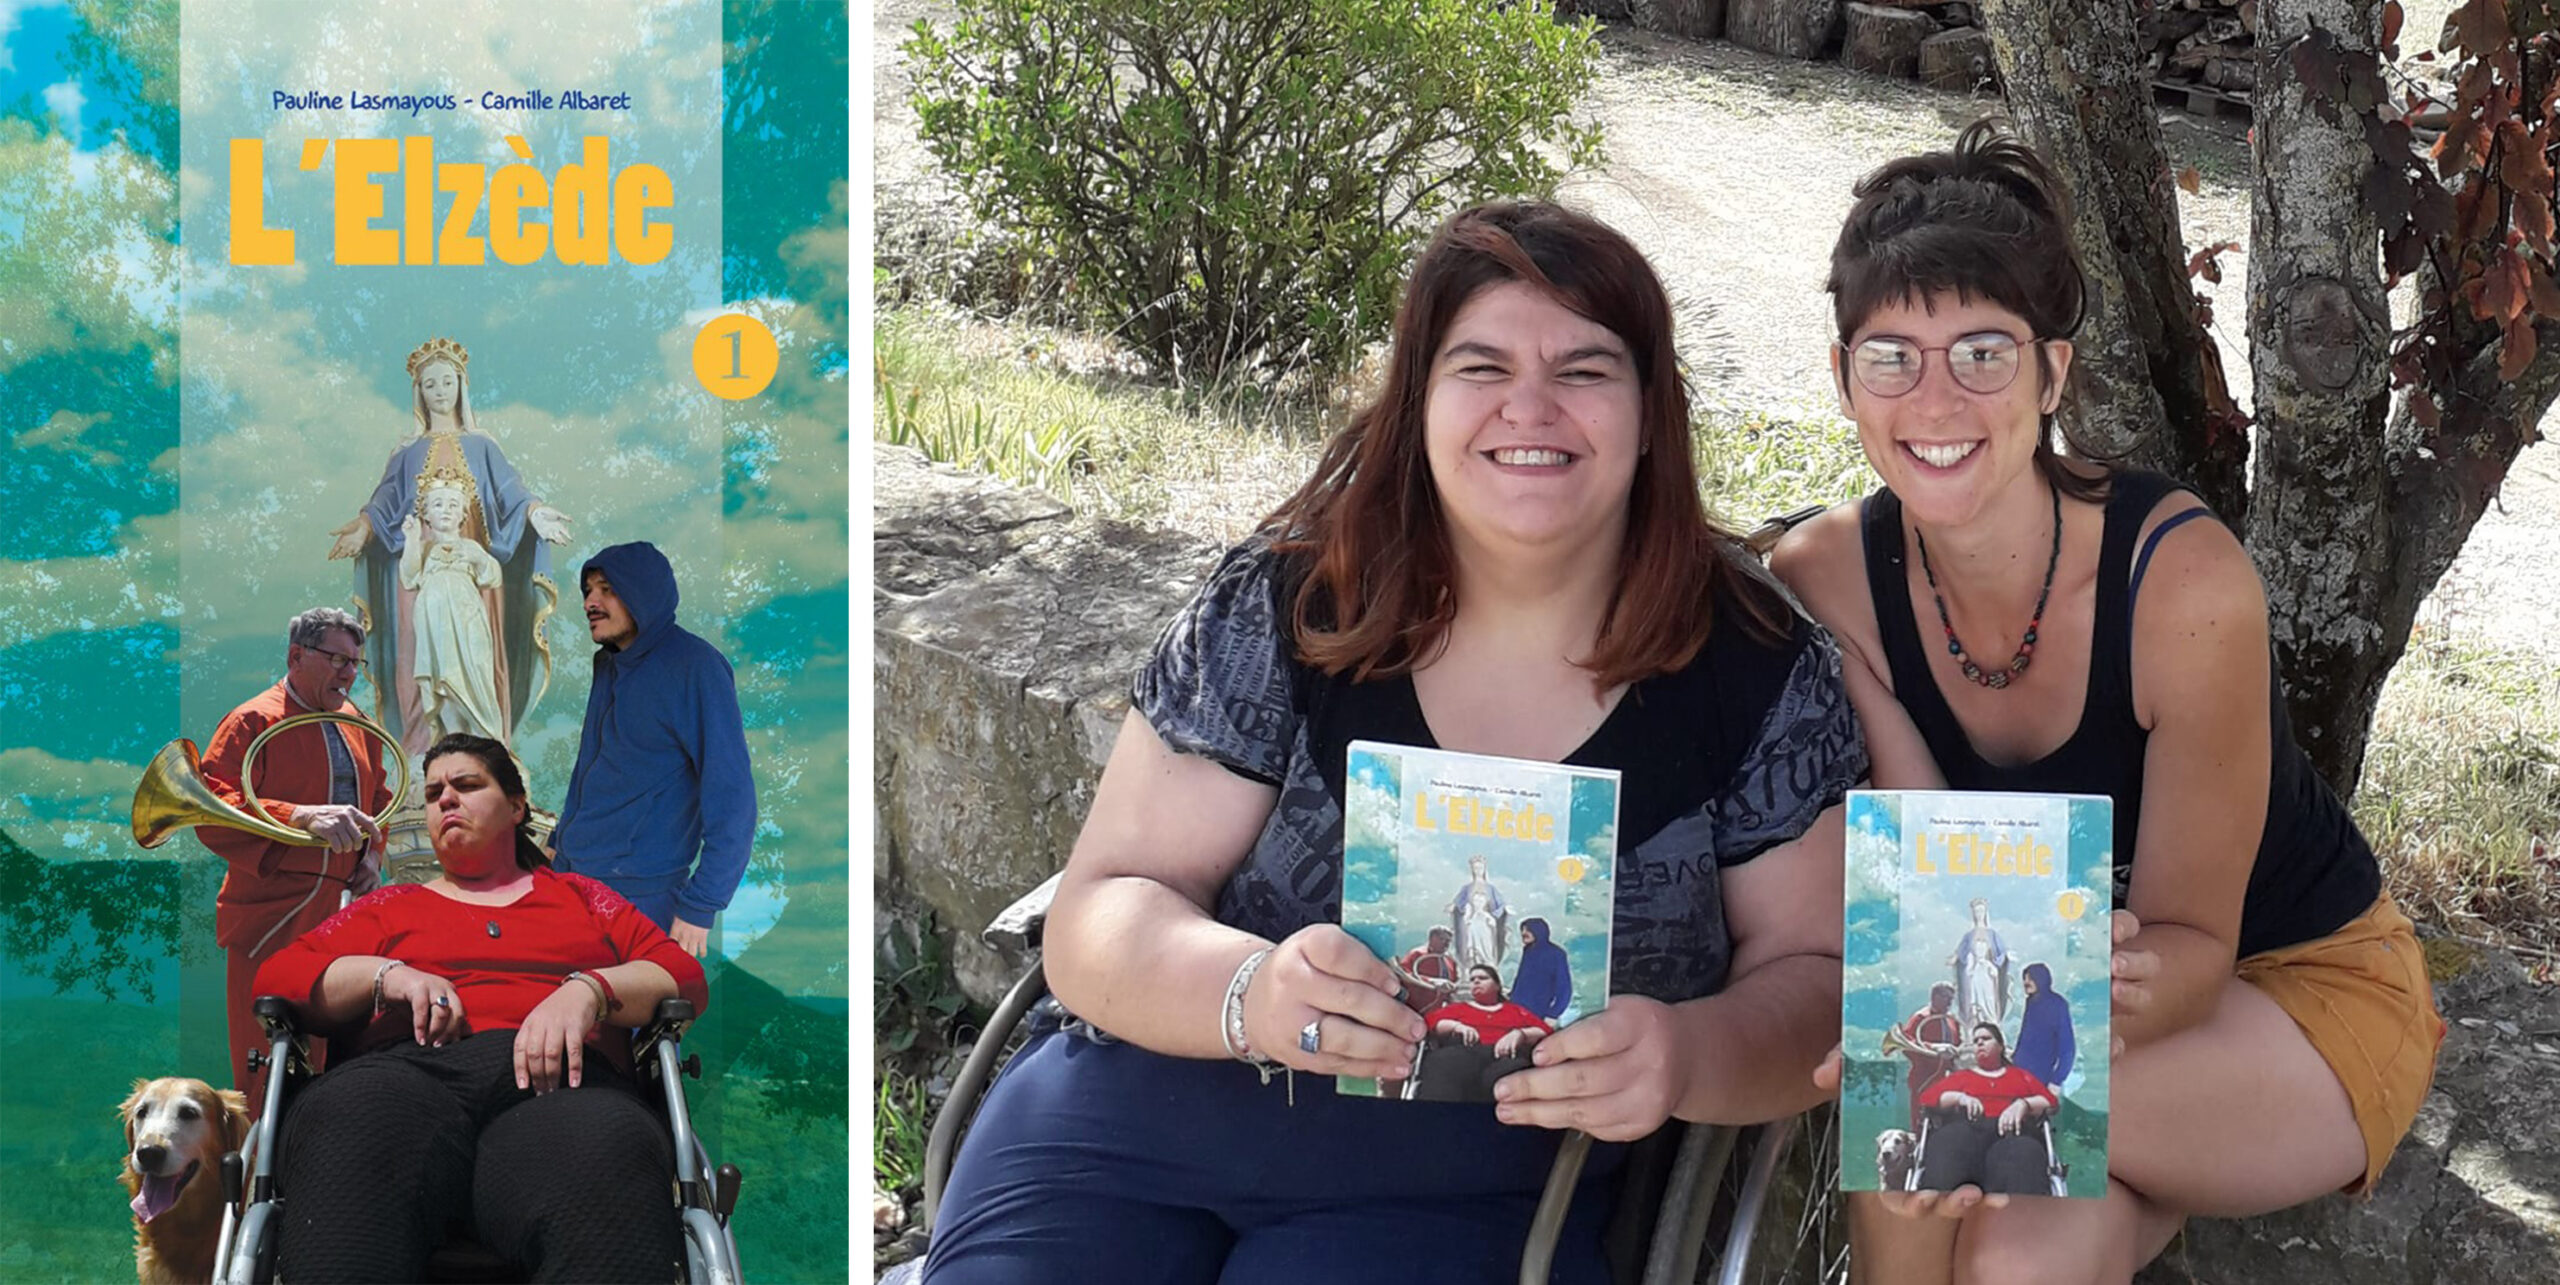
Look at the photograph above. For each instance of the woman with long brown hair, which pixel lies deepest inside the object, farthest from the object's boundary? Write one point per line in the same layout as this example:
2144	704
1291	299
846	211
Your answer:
1505	554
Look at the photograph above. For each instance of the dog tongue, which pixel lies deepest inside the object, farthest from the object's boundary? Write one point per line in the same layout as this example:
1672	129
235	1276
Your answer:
158	1193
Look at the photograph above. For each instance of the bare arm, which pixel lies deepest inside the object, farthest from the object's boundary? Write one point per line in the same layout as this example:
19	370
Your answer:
2201	684
1131	945
1825	564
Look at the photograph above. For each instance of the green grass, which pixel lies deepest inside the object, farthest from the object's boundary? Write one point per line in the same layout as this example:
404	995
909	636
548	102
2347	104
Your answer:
898	1129
2461	778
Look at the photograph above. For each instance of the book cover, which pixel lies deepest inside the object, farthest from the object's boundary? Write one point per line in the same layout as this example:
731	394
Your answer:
1974	995
1489	885
228	227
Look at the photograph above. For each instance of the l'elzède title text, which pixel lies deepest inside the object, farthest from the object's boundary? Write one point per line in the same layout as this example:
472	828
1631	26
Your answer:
594	212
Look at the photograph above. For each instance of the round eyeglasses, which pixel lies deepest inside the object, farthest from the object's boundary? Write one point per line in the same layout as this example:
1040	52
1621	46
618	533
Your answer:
1889	366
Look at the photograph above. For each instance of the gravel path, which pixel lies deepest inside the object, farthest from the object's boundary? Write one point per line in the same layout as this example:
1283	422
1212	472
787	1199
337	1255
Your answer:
1732	170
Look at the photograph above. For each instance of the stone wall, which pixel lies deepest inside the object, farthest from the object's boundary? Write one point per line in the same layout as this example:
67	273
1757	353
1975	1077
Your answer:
1007	630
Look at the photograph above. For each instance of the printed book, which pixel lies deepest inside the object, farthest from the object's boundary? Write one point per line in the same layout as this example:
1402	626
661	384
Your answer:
1488	884
1974	995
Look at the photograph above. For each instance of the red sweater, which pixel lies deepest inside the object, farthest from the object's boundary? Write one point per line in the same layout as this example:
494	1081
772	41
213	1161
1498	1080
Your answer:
1501	1020
563	922
1995	1092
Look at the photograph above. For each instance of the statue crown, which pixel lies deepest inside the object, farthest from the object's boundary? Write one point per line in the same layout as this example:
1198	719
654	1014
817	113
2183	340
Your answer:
439	349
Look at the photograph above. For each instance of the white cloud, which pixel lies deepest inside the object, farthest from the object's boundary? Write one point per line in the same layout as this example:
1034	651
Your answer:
64	100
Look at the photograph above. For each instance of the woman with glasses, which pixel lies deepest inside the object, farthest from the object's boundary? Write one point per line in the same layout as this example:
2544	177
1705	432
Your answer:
2014	620
1504	554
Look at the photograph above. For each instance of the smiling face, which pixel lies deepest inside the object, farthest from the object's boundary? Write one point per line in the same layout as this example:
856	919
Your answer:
440	386
1530	424
470	819
1948	452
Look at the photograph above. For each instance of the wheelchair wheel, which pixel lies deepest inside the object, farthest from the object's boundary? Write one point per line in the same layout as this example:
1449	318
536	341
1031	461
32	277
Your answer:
710	1257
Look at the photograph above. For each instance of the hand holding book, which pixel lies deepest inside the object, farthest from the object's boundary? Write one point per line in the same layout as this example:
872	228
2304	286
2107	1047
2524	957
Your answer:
1321	977
1614	1075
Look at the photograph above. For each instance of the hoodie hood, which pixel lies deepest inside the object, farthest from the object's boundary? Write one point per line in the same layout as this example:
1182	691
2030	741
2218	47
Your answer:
1537	930
641	577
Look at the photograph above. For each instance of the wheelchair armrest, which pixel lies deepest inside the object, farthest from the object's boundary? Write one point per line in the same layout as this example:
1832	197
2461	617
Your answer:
1015	931
666	1025
277	1016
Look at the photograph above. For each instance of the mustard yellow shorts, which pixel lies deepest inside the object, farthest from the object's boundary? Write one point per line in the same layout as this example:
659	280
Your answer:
2361	996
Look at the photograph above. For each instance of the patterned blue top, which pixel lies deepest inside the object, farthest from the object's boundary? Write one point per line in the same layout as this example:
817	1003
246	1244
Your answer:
1722	760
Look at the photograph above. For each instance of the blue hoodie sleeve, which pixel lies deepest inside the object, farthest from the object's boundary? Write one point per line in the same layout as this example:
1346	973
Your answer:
728	795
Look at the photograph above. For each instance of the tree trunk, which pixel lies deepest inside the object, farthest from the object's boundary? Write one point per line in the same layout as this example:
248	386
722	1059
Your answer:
2150	385
2320	324
2351	522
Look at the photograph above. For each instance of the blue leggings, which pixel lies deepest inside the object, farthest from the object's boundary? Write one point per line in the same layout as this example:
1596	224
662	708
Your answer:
1107	1162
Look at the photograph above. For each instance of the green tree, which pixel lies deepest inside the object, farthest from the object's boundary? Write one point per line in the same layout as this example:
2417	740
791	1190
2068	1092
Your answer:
1235	182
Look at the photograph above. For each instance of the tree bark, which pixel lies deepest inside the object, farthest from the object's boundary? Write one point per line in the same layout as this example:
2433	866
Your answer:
2150	384
2351	511
2320	326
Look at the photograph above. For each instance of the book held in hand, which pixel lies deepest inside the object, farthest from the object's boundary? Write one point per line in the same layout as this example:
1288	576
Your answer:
1974	992
1489	886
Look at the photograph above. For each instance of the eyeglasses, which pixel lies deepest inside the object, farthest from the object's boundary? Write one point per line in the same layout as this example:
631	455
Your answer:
337	661
1890	366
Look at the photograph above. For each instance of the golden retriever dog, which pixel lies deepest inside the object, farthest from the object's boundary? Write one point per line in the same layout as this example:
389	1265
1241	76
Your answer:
175	1132
1896	1151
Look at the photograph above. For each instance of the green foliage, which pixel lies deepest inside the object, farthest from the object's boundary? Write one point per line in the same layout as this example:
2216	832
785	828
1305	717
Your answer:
965	432
2461	788
1753	466
1242	182
916	1000
898	1132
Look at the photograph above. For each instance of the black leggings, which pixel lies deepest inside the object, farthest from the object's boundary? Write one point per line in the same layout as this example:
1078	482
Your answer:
386	1149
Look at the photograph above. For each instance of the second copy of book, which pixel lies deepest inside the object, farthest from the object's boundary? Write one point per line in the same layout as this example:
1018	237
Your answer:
1489	885
1974	994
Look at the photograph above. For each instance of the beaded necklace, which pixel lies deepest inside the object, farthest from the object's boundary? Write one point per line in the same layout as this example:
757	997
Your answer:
1997	678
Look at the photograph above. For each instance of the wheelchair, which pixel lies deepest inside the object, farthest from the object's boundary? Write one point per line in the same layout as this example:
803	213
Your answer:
1668	1189
701	1201
2057	1174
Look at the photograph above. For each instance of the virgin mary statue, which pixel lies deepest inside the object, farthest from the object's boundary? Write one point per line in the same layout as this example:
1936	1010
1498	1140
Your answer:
499	514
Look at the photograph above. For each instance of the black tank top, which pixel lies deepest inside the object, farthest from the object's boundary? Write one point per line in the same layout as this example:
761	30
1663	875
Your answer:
2313	872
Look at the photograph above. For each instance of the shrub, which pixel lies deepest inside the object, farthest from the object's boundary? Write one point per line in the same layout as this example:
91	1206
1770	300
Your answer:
1241	182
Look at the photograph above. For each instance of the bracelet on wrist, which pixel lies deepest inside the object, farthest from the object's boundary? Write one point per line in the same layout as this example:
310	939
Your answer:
603	992
386	966
1231	1016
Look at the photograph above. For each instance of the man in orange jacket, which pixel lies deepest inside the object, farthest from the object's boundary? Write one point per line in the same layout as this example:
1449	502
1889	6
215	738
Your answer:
324	778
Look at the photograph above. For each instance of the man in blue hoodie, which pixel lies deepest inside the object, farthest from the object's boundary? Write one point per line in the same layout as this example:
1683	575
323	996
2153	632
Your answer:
662	771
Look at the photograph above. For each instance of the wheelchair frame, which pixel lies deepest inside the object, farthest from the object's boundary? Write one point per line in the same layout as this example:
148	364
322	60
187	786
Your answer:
245	1253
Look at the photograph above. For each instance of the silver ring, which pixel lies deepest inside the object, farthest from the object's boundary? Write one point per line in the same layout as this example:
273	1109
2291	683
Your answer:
1311	1036
444	1001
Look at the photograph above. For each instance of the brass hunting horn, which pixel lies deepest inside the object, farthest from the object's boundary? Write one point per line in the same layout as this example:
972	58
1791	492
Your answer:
173	795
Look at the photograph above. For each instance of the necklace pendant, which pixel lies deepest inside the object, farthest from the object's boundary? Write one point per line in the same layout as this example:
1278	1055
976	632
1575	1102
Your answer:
493	927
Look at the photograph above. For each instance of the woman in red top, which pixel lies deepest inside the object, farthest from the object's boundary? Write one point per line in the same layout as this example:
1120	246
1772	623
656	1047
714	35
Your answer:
1982	1123
498	997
